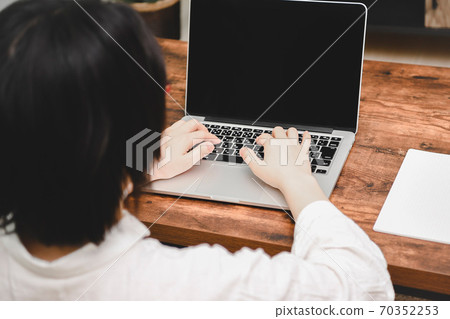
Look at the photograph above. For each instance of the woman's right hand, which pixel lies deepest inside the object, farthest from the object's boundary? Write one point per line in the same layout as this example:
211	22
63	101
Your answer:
286	166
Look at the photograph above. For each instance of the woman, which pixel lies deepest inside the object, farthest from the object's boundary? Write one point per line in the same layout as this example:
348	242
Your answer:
70	97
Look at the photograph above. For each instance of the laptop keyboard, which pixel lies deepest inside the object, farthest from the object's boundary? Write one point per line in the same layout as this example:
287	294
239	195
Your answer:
233	138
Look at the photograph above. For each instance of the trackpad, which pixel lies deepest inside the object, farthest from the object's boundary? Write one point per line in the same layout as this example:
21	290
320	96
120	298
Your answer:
233	182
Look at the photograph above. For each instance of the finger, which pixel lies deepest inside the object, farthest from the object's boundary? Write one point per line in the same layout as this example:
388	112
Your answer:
292	133
197	137
279	132
251	159
201	151
197	153
206	148
193	125
263	138
306	143
306	139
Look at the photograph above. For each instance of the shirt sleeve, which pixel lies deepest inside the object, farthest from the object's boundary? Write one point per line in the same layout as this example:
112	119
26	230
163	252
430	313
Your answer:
331	259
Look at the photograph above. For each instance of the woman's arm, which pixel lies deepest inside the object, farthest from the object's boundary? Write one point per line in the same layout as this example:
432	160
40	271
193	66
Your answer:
331	258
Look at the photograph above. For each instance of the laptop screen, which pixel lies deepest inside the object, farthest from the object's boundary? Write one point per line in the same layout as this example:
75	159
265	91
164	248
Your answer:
277	62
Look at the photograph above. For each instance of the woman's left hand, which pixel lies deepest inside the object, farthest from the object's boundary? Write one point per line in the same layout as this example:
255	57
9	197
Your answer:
177	153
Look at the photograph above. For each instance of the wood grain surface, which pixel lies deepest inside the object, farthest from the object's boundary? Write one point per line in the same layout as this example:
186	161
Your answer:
402	107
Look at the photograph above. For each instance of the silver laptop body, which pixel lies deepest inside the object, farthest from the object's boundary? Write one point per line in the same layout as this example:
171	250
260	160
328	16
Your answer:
321	60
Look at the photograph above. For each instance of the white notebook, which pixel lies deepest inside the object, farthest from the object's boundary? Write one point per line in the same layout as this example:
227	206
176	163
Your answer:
418	204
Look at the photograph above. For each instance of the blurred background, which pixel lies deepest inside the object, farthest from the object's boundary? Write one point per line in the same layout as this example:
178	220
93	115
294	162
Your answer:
404	31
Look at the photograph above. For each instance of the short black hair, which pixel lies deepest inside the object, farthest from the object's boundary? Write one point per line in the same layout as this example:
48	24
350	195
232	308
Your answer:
70	97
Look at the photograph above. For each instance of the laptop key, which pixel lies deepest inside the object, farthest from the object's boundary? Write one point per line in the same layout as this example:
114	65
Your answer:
236	133
256	130
222	158
228	151
236	153
325	138
226	145
210	157
333	144
237	146
227	132
313	168
247	134
321	171
215	126
206	125
314	137
336	139
227	138
259	150
225	127
314	148
217	150
248	141
236	128
322	143
321	162
328	153
314	154
216	131
239	160
245	129
268	131
255	135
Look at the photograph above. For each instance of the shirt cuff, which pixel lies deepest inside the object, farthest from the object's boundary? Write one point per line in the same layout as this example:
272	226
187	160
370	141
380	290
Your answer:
316	214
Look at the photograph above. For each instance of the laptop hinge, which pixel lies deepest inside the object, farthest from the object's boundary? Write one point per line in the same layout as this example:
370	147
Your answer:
270	124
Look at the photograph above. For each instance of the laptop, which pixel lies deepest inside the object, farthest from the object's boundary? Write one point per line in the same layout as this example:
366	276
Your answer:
257	64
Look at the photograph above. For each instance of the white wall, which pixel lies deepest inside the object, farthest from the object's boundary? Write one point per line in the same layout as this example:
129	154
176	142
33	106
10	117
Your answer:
184	17
4	3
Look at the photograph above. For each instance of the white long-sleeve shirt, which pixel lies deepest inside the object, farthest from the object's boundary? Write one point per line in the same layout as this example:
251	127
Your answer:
331	259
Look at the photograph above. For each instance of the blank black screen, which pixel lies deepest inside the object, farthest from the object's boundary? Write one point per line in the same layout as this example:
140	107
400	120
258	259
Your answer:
243	54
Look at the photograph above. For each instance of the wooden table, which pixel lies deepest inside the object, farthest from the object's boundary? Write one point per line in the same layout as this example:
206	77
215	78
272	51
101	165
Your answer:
402	107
